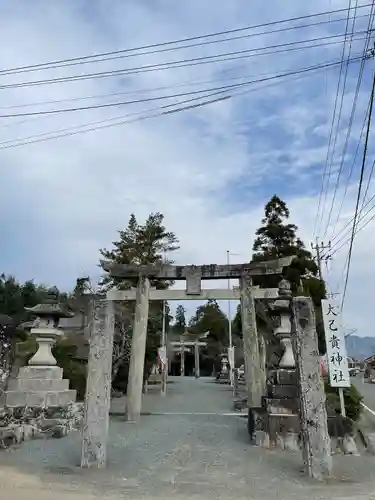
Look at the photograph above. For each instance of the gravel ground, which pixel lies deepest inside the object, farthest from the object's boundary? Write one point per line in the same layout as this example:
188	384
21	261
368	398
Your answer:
179	455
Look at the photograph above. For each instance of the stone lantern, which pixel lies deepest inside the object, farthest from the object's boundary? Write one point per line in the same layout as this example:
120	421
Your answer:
41	383
46	330
283	331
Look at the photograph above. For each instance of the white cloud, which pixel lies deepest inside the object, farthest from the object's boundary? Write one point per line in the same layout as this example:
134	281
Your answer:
209	170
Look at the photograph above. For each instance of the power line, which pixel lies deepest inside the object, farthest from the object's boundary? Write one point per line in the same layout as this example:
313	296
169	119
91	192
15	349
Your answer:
172	42
351	173
338	126
347	231
351	120
359	194
183	94
359	229
111	120
98	125
241	54
326	167
135	92
169	49
354	105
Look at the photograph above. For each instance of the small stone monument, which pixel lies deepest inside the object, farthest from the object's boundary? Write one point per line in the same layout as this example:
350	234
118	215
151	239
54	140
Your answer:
40	383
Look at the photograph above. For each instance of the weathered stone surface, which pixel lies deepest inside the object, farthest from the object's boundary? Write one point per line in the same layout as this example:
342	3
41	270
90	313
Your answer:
316	446
135	377
291	441
40	372
24	423
193	280
98	392
284	391
40	398
278	405
36	384
283	376
209	271
349	447
253	366
281	424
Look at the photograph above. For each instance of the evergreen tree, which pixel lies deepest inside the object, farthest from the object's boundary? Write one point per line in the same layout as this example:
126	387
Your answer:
210	318
142	244
277	238
180	320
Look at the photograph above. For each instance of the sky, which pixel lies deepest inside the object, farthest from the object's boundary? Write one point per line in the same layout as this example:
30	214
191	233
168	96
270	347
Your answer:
209	169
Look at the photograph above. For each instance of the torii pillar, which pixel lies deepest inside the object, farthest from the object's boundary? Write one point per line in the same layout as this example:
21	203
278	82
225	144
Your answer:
137	360
253	363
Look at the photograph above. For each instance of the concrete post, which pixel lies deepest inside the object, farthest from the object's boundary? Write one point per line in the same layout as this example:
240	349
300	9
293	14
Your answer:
196	360
253	369
137	360
98	386
316	443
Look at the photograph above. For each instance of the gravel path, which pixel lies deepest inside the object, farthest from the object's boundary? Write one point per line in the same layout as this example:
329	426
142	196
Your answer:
179	455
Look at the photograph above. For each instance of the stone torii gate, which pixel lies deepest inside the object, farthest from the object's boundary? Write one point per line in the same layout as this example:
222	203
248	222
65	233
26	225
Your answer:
97	400
189	343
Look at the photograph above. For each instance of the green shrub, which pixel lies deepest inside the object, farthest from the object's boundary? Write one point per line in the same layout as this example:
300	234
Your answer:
352	399
64	352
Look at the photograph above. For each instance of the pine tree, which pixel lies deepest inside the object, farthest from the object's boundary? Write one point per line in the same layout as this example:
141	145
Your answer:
180	320
277	238
143	244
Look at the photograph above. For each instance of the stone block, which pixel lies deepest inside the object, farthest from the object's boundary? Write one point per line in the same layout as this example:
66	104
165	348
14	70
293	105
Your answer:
40	398
279	405
262	439
41	372
348	446
285	377
35	384
369	438
279	425
284	391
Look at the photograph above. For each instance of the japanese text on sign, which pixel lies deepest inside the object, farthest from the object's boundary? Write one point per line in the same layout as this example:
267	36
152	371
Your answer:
336	348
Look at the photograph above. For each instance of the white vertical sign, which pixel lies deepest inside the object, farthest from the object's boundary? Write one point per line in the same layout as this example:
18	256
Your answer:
336	349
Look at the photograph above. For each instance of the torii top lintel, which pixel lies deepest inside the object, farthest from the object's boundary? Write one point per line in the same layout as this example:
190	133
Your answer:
208	272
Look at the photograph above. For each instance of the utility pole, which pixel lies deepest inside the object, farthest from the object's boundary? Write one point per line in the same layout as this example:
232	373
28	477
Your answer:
230	350
319	248
164	348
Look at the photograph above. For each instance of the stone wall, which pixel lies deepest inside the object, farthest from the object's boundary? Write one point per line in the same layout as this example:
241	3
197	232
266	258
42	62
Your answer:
25	422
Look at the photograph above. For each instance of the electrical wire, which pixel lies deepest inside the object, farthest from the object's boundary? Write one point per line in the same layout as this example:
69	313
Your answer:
350	174
326	165
170	96
358	229
358	195
170	49
159	112
172	42
351	120
182	63
338	127
347	231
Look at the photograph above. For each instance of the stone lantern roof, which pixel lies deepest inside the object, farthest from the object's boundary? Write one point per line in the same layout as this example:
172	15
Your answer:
51	307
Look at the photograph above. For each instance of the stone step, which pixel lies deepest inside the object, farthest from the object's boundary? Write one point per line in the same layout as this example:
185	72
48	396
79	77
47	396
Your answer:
36	384
41	372
39	398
